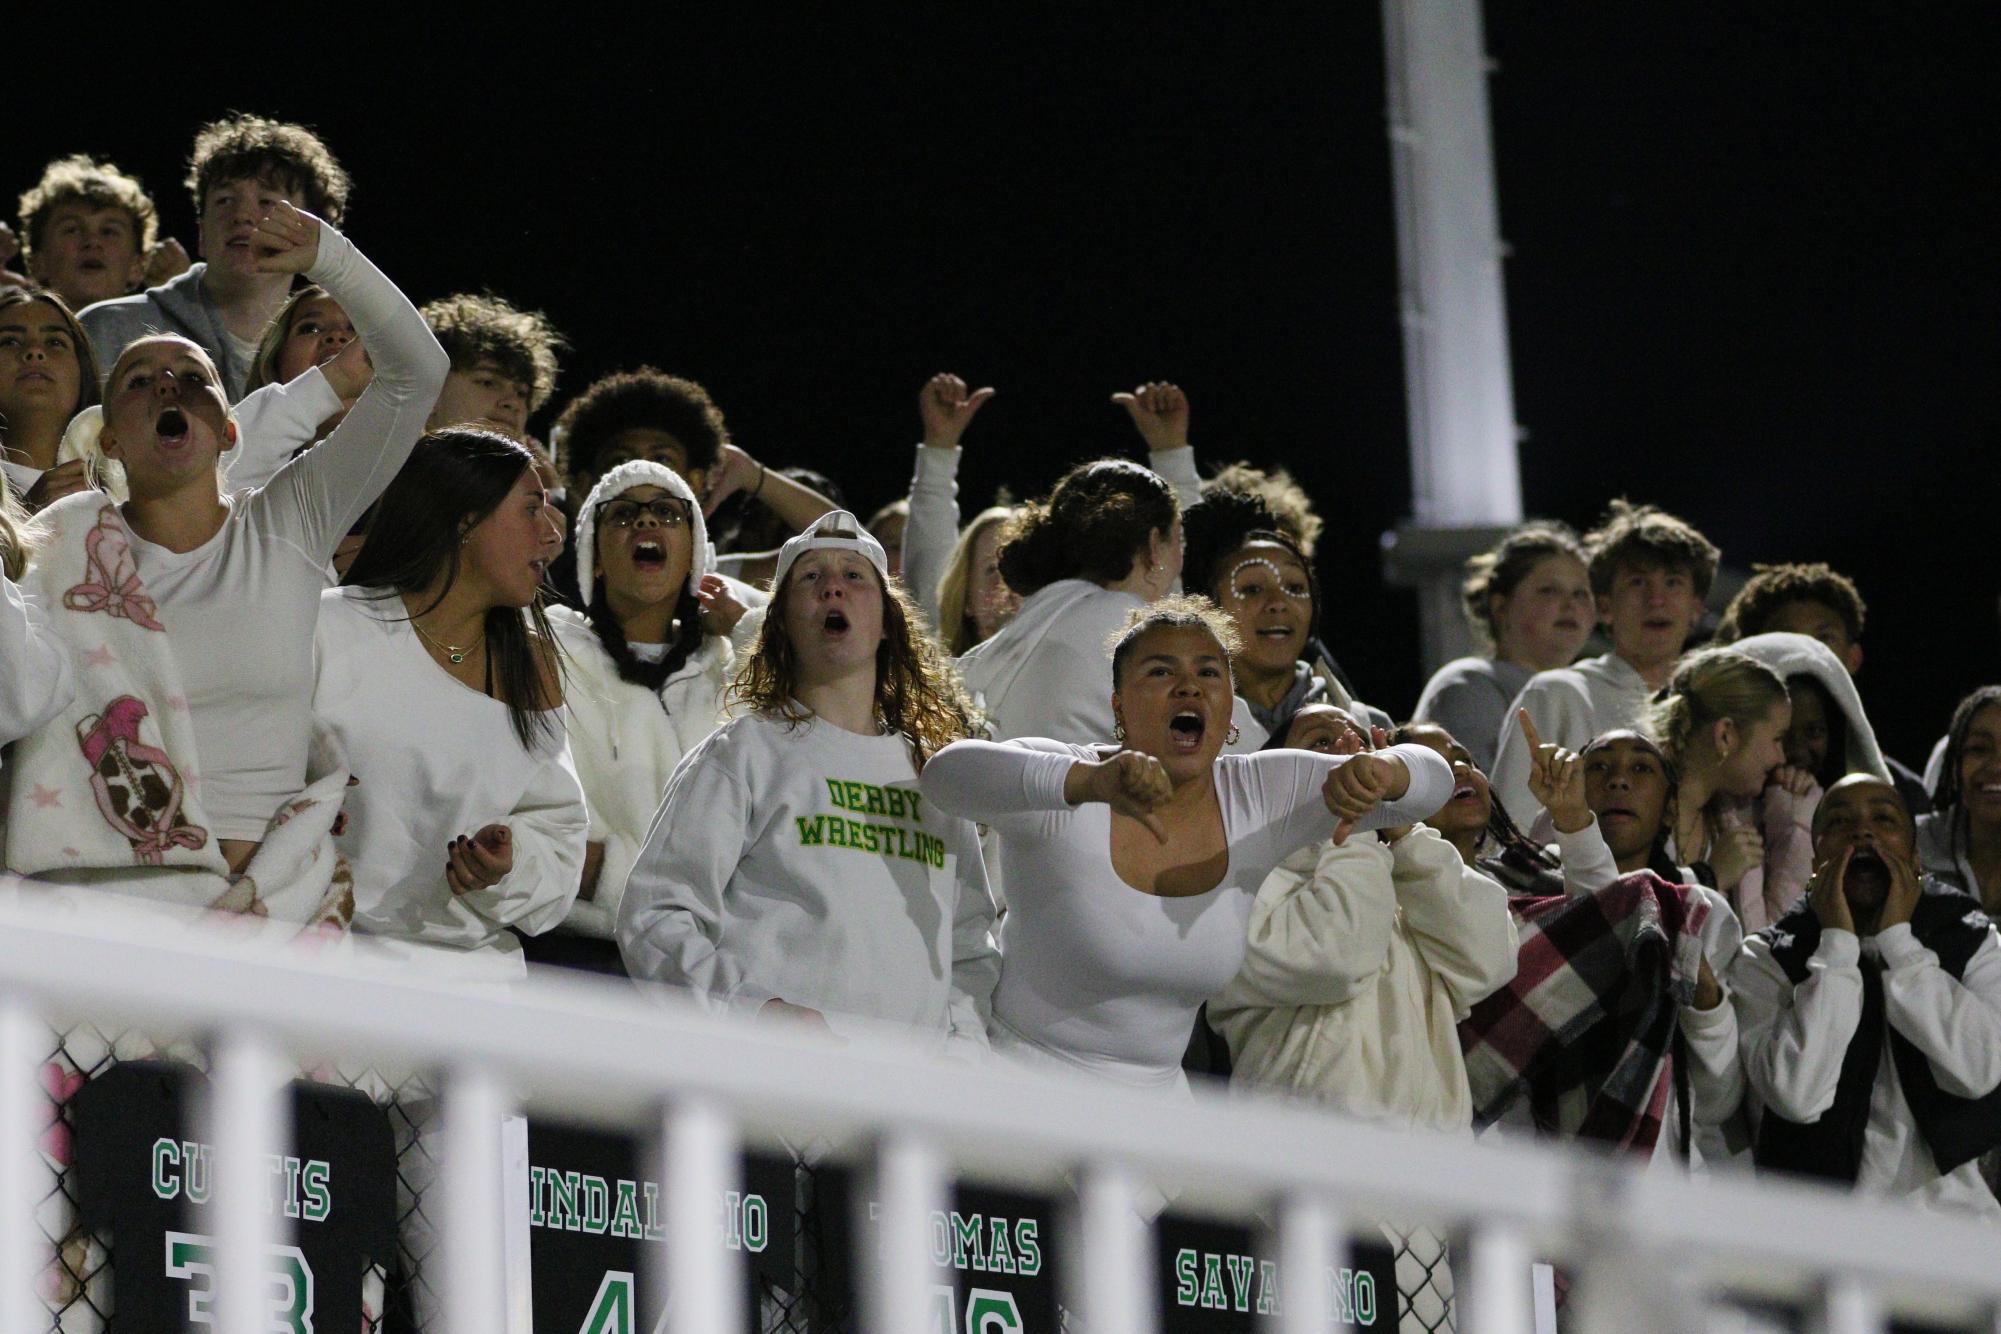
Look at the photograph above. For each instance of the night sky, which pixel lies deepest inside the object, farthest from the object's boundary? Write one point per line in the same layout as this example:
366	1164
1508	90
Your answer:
1749	275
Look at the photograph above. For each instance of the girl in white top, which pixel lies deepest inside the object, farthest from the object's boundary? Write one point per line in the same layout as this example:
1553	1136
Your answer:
646	682
1105	543
795	869
234	580
1132	869
438	676
48	374
36	682
1611	809
1530	600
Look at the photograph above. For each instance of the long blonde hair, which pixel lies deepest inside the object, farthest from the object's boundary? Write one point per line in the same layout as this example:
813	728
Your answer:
955	627
16	534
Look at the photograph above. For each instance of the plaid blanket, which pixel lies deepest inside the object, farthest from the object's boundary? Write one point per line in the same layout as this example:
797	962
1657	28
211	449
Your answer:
1586	1031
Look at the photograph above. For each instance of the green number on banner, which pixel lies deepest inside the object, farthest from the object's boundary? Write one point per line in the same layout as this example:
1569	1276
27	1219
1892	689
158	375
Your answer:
942	1310
611	1309
991	1312
191	1257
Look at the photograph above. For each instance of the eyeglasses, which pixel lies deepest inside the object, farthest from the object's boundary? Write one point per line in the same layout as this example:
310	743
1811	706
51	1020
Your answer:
666	512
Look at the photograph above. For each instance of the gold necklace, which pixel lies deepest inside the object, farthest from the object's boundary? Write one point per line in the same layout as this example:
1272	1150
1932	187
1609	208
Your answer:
453	652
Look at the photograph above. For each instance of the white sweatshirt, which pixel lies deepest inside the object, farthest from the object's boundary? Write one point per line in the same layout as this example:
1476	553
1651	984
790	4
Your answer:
1048	673
801	863
1105	976
240	609
274	423
435	759
626	741
1570	706
1795	1038
36	682
1363	958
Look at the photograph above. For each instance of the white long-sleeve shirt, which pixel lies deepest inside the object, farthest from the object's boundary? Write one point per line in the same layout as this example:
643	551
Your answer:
932	528
36	680
434	759
1363	958
274	423
802	863
240	609
626	741
1102	975
1795	1038
1570	706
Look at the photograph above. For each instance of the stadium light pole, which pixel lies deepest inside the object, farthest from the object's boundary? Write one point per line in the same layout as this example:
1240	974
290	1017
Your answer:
1465	470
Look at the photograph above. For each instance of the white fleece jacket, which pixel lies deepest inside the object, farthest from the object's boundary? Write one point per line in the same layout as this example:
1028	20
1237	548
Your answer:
626	741
1363	958
1570	706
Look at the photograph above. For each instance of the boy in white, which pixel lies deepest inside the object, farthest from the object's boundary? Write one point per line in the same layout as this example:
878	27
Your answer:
794	868
1877	967
1650	572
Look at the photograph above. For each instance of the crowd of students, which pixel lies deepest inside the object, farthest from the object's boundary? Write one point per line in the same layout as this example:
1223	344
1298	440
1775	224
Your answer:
299	620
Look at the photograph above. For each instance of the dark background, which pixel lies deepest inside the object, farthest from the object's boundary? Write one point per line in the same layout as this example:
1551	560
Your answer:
1749	277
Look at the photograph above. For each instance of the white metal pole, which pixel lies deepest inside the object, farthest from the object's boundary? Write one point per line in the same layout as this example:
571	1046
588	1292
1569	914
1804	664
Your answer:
1107	1283
473	1291
1310	1242
704	1277
907	1181
1492	1282
246	1126
24	1177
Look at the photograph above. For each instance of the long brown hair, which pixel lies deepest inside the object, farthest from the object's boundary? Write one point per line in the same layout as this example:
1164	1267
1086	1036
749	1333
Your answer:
918	693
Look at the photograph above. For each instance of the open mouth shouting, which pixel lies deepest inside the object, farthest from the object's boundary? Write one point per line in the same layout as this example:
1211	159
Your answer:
1276	633
836	623
1185	730
1467	793
648	556
172	427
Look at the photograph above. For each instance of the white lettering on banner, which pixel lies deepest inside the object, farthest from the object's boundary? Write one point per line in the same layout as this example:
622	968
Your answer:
560	1201
299	1188
1252	1285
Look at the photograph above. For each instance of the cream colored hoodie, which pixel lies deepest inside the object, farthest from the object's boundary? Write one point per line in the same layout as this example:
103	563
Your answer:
1363	959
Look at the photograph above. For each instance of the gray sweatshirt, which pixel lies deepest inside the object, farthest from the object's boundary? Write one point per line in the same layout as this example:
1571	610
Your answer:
179	306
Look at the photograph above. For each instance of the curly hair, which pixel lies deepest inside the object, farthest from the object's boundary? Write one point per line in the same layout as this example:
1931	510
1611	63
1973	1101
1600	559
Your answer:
1291	508
81	179
918	693
243	147
1499	572
1773	586
1708	686
474	327
1648	538
1098	518
1184	611
648	398
1218	524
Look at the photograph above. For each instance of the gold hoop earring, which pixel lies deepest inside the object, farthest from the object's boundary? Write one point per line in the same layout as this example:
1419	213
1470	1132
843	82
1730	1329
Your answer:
1234	733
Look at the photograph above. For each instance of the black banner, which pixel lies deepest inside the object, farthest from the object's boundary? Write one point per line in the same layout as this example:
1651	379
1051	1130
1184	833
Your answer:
592	1210
1216	1277
993	1256
143	1177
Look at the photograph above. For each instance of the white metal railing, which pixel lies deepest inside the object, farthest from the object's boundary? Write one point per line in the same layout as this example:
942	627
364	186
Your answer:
1639	1242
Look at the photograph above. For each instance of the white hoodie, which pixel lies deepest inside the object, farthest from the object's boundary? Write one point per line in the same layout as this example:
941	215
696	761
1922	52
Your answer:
1048	673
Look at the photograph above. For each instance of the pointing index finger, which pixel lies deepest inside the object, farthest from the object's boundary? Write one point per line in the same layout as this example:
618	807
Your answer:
1528	729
